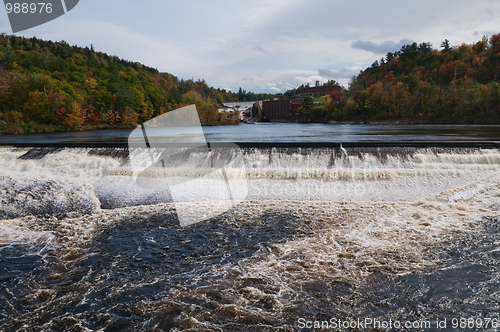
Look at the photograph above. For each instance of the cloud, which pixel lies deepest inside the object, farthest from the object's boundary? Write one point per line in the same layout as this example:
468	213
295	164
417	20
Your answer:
124	42
485	33
260	48
385	47
347	72
265	45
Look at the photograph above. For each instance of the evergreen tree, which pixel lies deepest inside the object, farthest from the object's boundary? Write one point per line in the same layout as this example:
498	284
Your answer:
446	46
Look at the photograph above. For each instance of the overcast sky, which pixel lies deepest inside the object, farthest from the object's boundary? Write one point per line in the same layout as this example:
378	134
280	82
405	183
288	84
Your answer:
265	45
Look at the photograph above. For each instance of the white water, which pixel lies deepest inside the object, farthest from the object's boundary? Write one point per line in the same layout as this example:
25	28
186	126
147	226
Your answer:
80	185
360	214
73	181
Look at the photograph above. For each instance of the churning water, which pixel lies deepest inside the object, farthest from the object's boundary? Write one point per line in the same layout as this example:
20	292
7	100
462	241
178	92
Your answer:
323	233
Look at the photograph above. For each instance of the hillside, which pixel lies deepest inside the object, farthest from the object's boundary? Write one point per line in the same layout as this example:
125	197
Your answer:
52	86
422	84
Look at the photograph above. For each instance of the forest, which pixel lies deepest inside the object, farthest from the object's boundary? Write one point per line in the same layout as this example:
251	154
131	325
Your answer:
50	86
420	84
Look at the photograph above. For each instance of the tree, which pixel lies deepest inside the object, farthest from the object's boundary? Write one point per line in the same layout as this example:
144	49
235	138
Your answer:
307	105
412	81
93	117
425	48
54	99
330	82
409	51
9	57
495	43
483	98
36	107
146	112
110	117
61	114
4	84
399	95
389	57
129	116
446	46
76	117
338	100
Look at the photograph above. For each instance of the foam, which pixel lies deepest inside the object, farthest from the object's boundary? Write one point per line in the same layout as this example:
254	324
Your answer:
314	175
59	182
73	182
24	197
344	243
13	232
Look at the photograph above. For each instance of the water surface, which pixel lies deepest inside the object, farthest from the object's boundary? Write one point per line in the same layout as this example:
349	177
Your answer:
285	132
389	233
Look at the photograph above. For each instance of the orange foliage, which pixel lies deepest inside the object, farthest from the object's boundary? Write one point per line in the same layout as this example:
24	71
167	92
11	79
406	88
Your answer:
61	113
495	43
110	117
93	117
394	61
423	84
338	99
130	116
77	116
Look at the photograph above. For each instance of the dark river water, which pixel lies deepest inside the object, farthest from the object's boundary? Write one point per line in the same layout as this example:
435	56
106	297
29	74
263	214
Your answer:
287	132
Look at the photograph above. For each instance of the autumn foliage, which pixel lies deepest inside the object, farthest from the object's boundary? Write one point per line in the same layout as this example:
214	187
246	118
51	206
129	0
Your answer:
55	86
418	83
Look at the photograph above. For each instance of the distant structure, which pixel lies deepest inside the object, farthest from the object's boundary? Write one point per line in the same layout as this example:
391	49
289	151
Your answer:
280	109
257	109
284	108
318	91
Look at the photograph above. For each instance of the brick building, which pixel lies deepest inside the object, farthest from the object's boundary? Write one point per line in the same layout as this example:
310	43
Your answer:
274	109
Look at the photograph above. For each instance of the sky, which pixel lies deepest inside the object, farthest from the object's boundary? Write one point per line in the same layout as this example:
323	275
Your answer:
265	45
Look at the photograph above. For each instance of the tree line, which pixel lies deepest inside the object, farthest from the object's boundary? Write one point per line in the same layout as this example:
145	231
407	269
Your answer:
418	83
51	86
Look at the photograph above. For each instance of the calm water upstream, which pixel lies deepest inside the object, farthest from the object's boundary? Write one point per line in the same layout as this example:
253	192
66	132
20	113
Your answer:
287	132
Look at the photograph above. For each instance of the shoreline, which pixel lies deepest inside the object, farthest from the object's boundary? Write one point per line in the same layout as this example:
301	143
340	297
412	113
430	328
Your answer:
390	122
49	129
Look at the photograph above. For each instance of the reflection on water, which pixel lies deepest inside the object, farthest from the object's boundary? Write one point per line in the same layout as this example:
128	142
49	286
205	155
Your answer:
285	132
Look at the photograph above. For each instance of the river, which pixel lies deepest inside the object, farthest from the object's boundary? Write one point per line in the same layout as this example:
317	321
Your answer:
286	132
402	234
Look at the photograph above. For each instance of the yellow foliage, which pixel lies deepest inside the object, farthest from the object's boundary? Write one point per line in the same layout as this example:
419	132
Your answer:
76	117
91	83
146	112
130	116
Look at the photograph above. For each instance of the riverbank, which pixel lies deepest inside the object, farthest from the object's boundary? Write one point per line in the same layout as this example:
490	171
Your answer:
398	122
30	128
